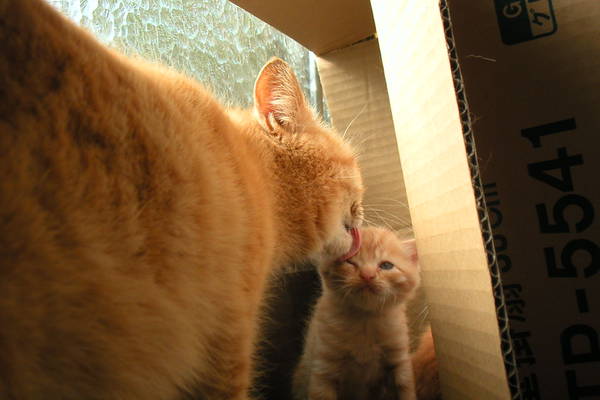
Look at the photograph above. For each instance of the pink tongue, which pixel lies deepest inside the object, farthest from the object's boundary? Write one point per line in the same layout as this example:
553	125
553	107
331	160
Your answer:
355	245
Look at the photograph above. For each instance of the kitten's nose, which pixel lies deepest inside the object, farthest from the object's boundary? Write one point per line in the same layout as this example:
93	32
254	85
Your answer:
367	276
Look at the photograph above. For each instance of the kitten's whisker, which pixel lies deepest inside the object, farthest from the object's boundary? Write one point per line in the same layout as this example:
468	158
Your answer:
421	317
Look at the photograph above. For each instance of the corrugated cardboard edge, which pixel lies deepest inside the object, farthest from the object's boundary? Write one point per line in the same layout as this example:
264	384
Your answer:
486	229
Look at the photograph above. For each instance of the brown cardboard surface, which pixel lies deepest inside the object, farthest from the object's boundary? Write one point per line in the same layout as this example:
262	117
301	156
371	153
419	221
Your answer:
518	79
441	199
354	86
321	26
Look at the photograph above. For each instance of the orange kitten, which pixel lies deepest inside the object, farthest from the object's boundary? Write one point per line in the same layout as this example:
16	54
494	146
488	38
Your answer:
140	219
357	344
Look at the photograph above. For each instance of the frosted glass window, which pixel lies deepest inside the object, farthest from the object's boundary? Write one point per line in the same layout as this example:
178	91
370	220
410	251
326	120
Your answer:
214	41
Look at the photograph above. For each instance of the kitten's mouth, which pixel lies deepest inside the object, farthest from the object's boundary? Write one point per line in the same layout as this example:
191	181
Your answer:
356	241
371	289
366	289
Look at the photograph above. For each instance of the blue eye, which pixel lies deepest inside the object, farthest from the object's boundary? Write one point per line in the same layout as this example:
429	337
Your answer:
385	265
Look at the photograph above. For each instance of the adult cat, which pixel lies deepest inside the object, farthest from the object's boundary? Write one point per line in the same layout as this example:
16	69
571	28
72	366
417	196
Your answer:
139	218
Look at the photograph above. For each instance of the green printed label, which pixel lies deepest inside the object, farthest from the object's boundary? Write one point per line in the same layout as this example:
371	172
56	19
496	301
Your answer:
524	20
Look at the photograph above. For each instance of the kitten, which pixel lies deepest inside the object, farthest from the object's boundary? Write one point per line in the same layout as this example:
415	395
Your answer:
140	218
357	344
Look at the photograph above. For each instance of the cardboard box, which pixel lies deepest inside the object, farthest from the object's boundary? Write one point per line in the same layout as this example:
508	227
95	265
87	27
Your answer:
531	76
495	109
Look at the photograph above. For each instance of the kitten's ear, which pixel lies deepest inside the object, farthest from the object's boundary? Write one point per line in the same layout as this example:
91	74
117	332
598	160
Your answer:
279	103
410	248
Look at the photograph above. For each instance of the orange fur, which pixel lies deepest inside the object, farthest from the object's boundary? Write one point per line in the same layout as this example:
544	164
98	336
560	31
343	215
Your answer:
425	369
139	218
357	344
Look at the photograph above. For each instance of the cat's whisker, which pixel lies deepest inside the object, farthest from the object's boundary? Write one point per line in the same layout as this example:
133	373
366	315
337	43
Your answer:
369	221
387	215
347	294
391	210
384	220
364	107
392	199
363	139
387	203
377	208
360	146
377	219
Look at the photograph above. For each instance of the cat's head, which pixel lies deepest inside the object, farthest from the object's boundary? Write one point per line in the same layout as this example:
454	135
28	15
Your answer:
319	170
384	272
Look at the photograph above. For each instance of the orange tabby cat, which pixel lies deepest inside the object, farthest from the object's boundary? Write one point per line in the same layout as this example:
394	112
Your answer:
139	218
357	344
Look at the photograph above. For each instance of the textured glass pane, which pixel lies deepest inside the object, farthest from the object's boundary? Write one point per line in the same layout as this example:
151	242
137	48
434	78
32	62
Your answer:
214	41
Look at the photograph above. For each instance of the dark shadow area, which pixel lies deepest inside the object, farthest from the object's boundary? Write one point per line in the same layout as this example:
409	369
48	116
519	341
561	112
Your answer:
290	300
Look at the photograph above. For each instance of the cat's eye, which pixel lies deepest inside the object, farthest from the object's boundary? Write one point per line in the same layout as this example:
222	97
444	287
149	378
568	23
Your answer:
386	265
354	209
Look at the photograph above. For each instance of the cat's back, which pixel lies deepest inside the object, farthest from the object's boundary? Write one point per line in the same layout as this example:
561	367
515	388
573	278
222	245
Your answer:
105	155
92	138
77	118
121	193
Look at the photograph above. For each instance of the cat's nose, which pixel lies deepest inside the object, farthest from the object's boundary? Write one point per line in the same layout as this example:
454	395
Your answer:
367	276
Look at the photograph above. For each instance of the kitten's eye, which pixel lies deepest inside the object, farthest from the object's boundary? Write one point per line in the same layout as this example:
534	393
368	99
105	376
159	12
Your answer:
385	265
352	263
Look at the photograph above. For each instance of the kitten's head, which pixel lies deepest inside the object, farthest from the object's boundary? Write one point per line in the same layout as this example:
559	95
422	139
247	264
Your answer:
323	185
384	272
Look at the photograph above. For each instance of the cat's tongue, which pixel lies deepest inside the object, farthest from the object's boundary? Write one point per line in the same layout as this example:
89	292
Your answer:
355	245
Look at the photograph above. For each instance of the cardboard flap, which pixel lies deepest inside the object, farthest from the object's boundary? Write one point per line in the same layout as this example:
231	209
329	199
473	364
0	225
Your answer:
320	26
441	199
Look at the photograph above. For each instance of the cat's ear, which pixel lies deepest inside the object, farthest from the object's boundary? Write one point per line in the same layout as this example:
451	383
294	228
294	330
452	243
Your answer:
410	249
279	103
